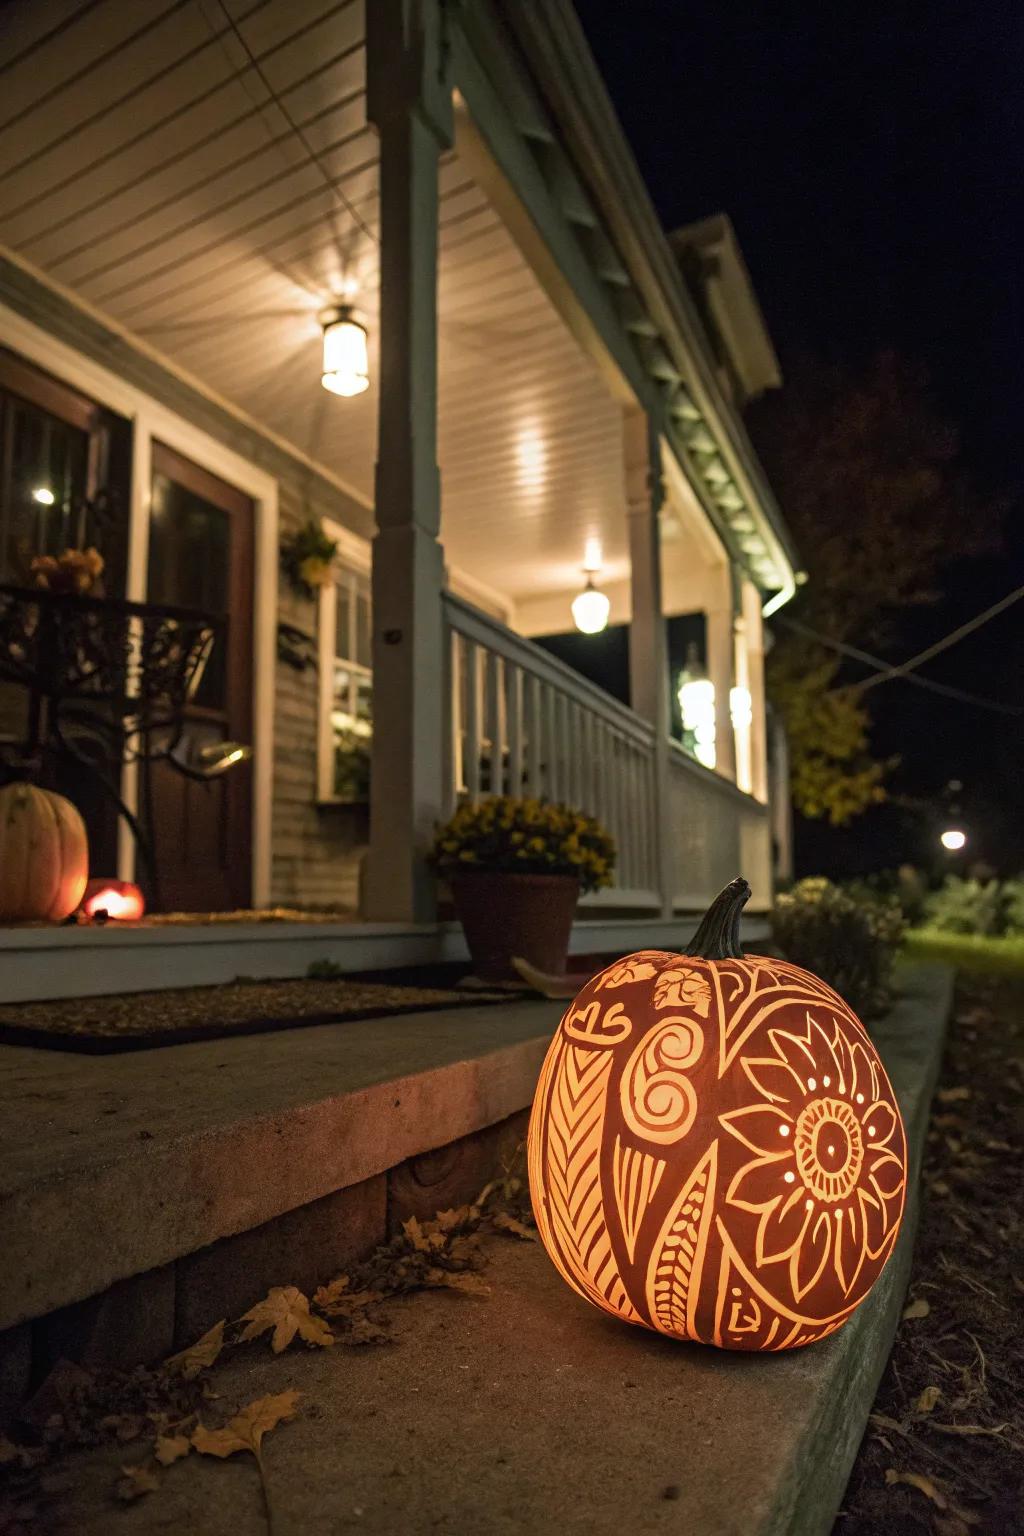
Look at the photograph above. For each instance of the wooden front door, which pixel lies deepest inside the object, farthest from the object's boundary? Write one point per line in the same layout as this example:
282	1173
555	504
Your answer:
201	556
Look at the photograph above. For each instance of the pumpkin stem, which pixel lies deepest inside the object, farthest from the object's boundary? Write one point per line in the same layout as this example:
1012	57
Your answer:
718	937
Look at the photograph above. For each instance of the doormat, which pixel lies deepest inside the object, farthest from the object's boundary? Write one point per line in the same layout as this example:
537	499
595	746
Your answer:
134	1021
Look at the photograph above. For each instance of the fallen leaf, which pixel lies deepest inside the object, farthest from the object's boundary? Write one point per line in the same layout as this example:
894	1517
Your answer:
199	1355
920	1482
363	1330
456	1217
414	1232
952	1095
970	1429
927	1400
171	1448
246	1430
939	1187
918	1308
504	1222
338	1301
135	1482
883	1421
286	1311
459	1280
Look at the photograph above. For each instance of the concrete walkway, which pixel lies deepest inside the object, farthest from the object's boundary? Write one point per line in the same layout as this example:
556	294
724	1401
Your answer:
527	1412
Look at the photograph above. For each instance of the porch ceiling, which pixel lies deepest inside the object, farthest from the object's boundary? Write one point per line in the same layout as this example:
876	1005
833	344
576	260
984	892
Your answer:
202	173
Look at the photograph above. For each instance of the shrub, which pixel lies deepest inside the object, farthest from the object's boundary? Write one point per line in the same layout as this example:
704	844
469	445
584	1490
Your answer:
1013	905
503	834
966	906
848	943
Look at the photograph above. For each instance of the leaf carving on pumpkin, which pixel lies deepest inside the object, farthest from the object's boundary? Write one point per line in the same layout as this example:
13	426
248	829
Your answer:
682	987
285	1310
633	968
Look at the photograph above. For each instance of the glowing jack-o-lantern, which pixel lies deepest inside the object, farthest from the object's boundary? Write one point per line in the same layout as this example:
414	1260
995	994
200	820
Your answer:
113	898
715	1149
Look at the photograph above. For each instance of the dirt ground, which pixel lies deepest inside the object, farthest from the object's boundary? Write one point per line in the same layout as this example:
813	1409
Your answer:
944	1451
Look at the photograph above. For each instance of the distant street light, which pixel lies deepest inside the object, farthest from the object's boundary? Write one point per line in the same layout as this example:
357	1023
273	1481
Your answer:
953	839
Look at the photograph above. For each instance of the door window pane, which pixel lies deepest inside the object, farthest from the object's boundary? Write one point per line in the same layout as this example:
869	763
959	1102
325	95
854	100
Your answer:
45	480
190	567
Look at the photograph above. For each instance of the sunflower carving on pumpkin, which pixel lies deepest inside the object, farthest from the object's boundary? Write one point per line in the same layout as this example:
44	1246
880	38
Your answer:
715	1149
825	1179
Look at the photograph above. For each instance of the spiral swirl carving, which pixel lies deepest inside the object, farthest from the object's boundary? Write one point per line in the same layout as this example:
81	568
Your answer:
658	1100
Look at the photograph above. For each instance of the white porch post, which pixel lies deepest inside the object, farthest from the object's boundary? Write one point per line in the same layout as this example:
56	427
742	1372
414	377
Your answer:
409	102
648	641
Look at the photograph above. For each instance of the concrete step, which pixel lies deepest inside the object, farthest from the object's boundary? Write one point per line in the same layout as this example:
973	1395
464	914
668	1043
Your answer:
528	1413
114	1166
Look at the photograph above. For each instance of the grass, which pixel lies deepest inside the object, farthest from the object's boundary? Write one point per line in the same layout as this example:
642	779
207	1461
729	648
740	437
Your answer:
971	953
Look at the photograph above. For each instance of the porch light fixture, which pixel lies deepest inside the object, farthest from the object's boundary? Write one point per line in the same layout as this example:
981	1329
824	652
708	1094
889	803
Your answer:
44	496
590	609
953	839
697	704
346	369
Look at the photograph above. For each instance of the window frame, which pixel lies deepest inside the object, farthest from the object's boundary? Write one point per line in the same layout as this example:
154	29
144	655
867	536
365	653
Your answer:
353	558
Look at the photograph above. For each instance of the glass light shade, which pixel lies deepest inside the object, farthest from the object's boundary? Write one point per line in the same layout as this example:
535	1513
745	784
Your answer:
697	703
953	839
590	610
741	708
44	496
346	369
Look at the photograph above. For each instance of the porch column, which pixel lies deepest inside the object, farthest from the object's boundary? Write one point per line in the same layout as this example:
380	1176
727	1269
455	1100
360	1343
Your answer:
648	641
409	103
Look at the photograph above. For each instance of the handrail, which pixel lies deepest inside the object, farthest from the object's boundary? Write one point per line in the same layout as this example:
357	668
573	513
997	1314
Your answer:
479	627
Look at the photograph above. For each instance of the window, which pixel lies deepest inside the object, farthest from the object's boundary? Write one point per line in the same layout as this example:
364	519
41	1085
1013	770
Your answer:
346	680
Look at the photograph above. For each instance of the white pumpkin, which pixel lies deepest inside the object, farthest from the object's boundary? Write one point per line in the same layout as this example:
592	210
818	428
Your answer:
44	855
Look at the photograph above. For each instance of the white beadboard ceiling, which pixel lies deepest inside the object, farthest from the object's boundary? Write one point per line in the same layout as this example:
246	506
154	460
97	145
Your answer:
202	172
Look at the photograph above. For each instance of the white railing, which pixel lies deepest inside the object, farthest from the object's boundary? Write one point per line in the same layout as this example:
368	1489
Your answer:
523	723
717	832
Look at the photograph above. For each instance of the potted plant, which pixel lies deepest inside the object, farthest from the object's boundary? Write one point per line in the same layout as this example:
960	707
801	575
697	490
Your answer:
516	869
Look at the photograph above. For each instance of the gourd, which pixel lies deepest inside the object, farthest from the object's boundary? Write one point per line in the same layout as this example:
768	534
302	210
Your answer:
715	1150
44	855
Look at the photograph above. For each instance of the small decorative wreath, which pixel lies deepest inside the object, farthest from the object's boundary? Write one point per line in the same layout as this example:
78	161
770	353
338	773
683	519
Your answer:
307	558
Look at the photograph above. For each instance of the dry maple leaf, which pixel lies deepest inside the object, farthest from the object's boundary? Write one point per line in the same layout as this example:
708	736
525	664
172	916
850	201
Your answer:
135	1482
338	1301
927	1400
458	1280
286	1311
504	1222
246	1430
918	1308
171	1448
416	1235
198	1355
920	1482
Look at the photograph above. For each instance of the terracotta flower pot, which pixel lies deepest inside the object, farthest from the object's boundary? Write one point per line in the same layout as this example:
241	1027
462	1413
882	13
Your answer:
529	916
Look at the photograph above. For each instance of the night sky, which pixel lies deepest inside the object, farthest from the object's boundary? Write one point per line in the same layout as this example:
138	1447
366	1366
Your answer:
871	158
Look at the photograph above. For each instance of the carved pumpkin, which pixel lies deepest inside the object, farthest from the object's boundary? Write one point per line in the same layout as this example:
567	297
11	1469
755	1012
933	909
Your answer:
118	899
44	855
715	1150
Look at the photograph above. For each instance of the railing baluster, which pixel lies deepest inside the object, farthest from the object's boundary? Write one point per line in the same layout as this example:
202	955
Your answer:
514	726
551	787
492	719
472	735
533	742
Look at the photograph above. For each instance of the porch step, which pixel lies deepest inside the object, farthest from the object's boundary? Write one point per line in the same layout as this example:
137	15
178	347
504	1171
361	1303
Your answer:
529	1412
48	962
115	1166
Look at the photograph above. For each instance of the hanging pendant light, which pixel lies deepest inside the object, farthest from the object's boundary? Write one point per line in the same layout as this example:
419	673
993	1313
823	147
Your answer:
590	609
346	369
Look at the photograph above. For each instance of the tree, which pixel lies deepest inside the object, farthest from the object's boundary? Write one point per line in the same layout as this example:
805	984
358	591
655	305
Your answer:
868	476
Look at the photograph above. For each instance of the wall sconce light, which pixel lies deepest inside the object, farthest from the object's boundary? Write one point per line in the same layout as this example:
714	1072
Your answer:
346	369
697	703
